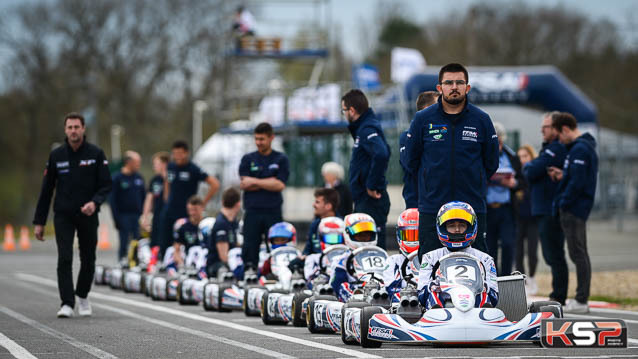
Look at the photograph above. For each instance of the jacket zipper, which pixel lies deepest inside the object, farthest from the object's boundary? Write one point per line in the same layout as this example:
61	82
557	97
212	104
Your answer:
452	162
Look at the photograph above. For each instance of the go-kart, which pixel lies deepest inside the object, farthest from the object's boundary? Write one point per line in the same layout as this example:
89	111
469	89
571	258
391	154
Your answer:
458	321
367	264
132	278
164	287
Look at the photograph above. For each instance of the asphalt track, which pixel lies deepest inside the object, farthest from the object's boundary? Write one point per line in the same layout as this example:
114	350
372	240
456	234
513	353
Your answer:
133	326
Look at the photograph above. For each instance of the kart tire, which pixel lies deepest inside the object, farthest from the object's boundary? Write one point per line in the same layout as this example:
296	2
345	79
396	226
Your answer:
297	306
535	307
143	283
310	318
343	310
264	312
248	311
366	314
207	305
222	288
552	309
180	297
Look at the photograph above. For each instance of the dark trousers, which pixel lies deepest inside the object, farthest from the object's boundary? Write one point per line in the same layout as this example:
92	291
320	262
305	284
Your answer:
167	221
256	225
429	238
501	233
127	226
527	233
156	228
66	226
576	236
378	209
553	249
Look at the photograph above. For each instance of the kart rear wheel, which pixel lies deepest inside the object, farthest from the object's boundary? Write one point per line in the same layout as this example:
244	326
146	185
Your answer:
207	305
366	314
267	319
343	317
220	297
180	296
297	306
535	307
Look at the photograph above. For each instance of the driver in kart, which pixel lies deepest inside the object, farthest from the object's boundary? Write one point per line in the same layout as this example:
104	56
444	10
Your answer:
188	246
360	231
330	232
408	241
456	225
279	235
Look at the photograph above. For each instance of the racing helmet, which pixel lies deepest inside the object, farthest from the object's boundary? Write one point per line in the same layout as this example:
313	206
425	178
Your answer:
456	211
359	223
283	230
408	231
206	226
330	232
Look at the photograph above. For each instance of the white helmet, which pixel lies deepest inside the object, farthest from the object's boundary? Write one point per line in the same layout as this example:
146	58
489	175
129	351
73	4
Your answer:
206	226
330	232
358	223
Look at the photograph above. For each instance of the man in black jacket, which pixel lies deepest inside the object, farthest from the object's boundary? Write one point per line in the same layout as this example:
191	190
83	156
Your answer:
78	171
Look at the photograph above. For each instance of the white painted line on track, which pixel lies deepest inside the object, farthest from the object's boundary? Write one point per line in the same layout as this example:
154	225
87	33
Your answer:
613	311
14	348
180	328
96	352
587	316
201	318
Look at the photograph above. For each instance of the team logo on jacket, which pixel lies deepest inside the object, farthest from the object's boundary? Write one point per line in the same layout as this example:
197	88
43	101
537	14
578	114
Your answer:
273	166
469	135
184	176
356	142
87	162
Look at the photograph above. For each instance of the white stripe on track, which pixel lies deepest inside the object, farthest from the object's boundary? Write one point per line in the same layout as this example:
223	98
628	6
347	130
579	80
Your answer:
201	318
587	316
96	352
180	328
14	348
613	311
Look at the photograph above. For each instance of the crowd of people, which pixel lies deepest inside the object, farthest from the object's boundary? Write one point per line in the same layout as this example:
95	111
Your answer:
462	182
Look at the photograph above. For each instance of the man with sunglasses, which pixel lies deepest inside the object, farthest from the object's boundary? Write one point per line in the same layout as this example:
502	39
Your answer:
453	148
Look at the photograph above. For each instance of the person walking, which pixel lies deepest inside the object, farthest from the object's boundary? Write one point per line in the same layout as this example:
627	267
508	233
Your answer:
263	175
526	227
575	199
78	172
369	161
542	194
182	181
453	149
127	201
502	204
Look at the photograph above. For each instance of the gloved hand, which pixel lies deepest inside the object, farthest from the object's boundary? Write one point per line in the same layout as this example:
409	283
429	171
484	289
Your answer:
296	264
434	286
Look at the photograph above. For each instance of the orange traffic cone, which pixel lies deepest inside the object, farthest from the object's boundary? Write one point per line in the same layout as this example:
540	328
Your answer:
9	244
25	242
103	241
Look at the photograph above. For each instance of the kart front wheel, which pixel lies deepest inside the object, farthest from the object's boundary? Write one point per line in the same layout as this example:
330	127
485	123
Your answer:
265	317
208	306
366	315
344	339
297	306
220	297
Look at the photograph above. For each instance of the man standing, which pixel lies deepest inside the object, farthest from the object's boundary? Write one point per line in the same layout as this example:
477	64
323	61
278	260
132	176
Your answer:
263	175
501	205
154	201
410	181
575	199
543	192
369	162
182	182
453	148
127	200
79	173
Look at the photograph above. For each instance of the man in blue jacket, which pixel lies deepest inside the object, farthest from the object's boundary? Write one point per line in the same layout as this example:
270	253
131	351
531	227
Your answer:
453	148
410	181
575	199
369	162
542	192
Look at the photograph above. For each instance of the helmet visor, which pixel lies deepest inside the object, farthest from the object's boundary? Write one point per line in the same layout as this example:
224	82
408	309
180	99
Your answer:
332	238
409	234
456	213
362	227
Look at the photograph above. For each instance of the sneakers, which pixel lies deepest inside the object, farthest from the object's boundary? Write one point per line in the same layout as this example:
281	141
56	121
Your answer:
65	312
576	307
530	286
84	307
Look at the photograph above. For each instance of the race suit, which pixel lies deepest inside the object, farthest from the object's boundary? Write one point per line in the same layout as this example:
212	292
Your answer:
341	281
195	258
430	260
392	277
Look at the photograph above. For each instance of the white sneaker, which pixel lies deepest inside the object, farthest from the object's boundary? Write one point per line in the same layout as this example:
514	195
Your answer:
84	307
576	307
531	287
65	312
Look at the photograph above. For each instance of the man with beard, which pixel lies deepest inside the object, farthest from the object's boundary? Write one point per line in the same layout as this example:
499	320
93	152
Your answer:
453	148
369	161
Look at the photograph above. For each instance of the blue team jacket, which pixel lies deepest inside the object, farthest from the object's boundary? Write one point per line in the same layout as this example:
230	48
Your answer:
577	188
453	155
542	188
370	155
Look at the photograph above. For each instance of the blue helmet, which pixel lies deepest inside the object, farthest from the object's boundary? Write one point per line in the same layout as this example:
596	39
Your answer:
282	230
452	212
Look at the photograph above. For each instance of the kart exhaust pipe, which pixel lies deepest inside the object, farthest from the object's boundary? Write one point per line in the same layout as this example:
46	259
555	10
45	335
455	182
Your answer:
405	302
384	295
376	295
414	301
